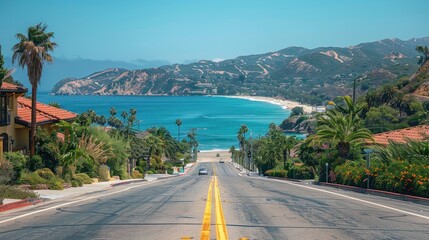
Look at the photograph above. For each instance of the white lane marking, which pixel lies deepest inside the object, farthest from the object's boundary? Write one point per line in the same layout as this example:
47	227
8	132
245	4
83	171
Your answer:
80	200
355	199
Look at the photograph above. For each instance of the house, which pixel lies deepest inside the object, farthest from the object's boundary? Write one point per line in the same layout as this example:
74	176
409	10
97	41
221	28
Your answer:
15	118
417	133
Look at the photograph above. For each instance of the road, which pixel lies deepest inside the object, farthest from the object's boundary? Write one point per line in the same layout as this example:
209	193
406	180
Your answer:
252	207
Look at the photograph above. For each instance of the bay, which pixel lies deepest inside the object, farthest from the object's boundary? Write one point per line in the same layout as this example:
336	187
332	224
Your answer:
216	119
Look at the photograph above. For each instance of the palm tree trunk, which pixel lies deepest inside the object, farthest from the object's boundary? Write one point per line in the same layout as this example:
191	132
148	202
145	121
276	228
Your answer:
148	160
33	120
284	159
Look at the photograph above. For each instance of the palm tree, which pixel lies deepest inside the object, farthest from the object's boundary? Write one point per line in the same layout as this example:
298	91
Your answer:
340	130
169	146
400	101
155	144
32	51
232	151
387	93
241	136
178	123
285	144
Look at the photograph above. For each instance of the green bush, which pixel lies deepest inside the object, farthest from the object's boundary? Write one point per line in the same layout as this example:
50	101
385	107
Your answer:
76	183
301	172
6	172
36	162
18	161
83	177
136	174
276	173
55	184
398	176
15	193
42	177
104	173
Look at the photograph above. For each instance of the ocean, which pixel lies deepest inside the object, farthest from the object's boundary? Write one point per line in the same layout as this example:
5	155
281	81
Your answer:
216	119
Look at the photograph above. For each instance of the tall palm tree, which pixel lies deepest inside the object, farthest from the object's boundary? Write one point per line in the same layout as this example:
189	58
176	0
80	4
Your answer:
340	130
178	123
32	51
155	144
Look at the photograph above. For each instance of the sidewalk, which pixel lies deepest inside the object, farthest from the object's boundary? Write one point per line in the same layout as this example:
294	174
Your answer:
46	195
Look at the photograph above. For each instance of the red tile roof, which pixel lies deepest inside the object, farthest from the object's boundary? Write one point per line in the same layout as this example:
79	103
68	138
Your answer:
418	133
44	113
9	87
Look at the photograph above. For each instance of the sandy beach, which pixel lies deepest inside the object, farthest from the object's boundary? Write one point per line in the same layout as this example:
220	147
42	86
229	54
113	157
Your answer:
209	156
286	104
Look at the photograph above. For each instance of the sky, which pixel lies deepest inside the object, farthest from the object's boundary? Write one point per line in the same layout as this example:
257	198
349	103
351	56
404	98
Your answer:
181	31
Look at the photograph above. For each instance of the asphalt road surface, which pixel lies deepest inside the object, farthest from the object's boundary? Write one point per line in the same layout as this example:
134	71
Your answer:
251	207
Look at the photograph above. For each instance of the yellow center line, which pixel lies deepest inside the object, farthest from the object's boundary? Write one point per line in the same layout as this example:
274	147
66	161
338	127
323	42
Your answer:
205	231
221	231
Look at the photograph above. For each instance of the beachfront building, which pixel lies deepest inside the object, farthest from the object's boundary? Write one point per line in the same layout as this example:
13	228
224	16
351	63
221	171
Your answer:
15	118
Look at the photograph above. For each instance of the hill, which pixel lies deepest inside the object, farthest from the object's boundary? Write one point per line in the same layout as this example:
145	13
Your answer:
64	68
306	75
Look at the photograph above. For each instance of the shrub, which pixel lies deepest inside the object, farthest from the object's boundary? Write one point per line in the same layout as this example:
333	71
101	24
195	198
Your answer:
36	162
76	183
104	173
46	173
276	173
56	184
136	174
83	177
6	172
18	161
301	172
15	193
42	178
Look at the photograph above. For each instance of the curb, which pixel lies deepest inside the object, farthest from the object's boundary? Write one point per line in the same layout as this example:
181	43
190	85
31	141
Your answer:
20	204
399	196
284	179
127	182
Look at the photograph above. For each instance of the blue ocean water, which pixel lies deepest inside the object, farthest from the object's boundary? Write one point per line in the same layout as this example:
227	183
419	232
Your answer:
217	119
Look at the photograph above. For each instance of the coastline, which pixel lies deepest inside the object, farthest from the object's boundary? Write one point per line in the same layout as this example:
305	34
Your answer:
285	104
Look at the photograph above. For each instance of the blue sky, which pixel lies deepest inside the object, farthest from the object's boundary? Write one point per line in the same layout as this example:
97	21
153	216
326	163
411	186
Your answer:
184	30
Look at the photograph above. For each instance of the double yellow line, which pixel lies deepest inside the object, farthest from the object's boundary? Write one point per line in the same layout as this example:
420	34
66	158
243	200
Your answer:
221	231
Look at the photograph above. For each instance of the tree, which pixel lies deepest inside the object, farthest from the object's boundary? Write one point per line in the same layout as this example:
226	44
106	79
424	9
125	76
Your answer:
155	144
169	147
297	111
340	130
425	51
32	51
178	123
241	136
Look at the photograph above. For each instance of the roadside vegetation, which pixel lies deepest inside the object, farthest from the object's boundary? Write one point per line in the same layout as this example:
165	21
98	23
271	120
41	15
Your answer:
87	150
338	137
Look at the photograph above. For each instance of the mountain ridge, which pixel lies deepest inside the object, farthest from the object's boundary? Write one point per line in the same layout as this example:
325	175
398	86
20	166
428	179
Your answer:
307	75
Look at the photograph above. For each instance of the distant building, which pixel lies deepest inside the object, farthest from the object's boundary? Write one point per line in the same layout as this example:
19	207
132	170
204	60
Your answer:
15	118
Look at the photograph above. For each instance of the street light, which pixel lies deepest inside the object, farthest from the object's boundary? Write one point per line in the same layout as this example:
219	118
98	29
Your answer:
368	151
